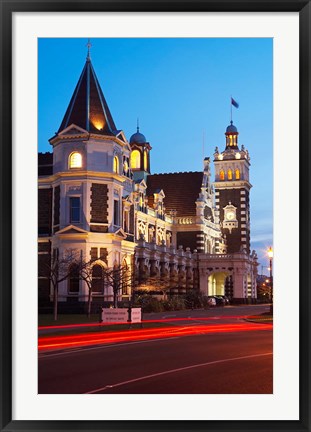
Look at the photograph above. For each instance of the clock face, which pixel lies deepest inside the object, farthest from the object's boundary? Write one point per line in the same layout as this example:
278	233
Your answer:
230	215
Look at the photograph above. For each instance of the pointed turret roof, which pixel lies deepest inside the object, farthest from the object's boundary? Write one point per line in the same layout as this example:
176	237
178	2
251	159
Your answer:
88	107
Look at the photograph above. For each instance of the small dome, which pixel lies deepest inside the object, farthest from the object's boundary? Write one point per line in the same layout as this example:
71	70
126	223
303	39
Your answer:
231	128
138	138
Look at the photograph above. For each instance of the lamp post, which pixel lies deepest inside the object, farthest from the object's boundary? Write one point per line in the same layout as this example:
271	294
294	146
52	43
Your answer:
270	255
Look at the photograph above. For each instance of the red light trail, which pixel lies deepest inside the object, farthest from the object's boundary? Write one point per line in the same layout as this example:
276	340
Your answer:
102	324
111	337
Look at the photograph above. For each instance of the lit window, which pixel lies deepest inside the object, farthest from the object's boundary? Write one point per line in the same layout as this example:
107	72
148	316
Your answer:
125	167
145	160
237	174
222	175
75	160
74	209
141	201
229	174
116	164
135	159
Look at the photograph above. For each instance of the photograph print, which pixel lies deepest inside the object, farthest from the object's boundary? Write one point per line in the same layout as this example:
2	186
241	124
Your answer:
155	234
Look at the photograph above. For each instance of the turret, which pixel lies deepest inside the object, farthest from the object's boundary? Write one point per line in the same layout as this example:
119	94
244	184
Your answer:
140	156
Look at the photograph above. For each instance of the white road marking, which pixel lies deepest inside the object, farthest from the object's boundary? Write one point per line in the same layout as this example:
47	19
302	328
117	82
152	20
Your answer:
175	370
112	345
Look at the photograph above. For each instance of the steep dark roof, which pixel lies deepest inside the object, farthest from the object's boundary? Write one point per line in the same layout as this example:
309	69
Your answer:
45	164
88	107
181	190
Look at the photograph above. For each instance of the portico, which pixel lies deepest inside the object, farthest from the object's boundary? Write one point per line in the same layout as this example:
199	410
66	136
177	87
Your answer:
229	274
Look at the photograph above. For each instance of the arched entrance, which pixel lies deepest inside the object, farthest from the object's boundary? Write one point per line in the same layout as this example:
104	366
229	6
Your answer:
216	283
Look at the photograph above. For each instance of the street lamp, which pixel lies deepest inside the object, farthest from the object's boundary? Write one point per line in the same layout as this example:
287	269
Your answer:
270	255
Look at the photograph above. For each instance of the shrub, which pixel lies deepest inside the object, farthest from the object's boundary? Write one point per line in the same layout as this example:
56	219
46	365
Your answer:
195	299
149	304
174	304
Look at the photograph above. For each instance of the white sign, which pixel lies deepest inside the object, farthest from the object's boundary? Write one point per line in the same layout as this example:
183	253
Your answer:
114	315
120	315
136	315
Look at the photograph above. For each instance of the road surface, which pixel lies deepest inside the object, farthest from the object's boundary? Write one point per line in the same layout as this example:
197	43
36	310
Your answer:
227	362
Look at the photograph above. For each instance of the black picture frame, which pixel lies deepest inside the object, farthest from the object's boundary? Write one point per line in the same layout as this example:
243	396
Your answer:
8	7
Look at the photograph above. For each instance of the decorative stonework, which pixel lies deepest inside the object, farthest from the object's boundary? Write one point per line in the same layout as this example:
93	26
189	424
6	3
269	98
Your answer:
75	188
99	203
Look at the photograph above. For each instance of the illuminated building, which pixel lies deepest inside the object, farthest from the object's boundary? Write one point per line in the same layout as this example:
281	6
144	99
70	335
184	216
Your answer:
98	198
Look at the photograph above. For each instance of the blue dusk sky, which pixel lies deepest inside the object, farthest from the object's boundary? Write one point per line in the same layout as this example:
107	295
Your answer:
180	90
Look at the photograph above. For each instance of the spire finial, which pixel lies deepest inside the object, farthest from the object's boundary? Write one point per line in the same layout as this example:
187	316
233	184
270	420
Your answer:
88	49
137	124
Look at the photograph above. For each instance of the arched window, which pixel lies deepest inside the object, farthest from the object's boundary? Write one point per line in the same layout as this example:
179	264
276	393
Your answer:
135	159
73	280
75	160
229	174
97	279
221	175
116	164
145	160
237	174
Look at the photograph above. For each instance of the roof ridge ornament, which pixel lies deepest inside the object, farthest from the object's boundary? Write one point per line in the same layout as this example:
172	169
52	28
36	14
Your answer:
88	57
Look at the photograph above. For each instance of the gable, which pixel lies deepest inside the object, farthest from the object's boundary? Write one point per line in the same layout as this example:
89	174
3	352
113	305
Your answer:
73	130
71	229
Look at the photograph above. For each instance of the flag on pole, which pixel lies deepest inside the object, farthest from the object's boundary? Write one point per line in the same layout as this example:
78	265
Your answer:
234	103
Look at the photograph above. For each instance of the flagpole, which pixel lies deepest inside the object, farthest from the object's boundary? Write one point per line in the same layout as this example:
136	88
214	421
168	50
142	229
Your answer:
231	106
203	143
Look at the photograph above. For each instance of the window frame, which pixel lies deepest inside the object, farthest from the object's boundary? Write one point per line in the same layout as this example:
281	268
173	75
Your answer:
71	220
72	154
97	278
73	279
139	159
116	165
116	205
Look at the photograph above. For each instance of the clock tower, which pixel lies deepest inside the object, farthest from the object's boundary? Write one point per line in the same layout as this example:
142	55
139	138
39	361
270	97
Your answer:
232	188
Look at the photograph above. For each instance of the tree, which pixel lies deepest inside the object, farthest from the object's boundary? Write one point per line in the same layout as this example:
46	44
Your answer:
155	283
264	290
92	273
120	279
57	269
